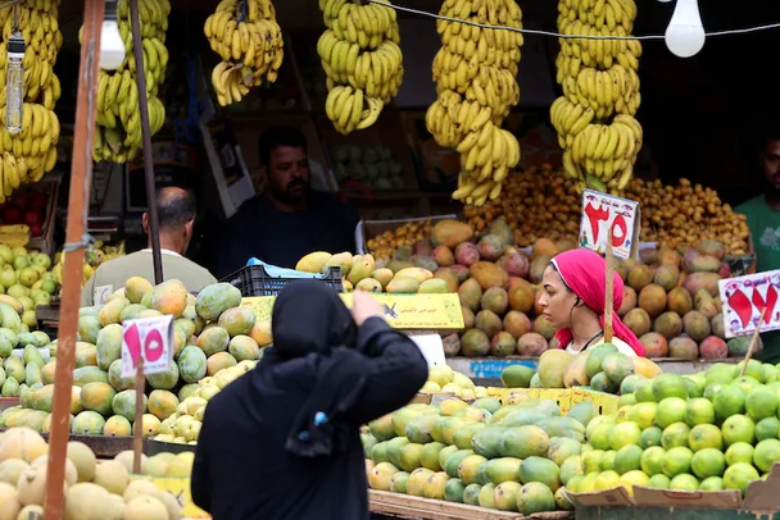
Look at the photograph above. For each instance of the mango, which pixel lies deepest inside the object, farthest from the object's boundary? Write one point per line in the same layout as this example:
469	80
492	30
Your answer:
215	299
213	340
88	423
313	262
362	267
450	233
89	374
369	285
88	328
244	348
136	287
341	260
419	274
123	404
383	276
552	368
112	311
402	285
238	320
164	380
97	397
702	280
488	275
434	286
170	297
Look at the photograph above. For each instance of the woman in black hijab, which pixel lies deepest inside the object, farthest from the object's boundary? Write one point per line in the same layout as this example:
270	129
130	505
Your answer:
282	441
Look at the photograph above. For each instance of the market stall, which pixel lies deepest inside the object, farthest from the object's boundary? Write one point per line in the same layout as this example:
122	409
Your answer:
508	425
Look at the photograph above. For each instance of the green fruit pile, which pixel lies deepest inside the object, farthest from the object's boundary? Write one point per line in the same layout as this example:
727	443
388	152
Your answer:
509	457
215	341
710	431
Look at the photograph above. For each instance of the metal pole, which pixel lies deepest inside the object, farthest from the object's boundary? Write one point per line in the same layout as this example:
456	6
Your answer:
76	242
154	230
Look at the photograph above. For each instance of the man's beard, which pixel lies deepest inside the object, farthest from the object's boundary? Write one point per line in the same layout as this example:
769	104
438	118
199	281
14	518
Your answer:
289	196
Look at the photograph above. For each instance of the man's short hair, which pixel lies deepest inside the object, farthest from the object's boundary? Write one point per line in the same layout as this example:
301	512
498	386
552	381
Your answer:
277	136
175	207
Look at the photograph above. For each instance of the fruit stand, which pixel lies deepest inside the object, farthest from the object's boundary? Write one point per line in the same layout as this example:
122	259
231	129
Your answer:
510	426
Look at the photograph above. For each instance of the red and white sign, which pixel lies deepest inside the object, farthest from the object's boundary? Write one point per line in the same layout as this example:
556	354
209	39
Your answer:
150	339
745	298
600	212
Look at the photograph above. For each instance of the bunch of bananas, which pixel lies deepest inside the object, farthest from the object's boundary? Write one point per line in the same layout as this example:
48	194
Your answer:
119	137
15	235
475	73
246	36
28	155
595	116
362	61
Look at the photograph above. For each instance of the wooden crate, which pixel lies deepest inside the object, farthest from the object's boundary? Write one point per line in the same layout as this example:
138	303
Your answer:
405	506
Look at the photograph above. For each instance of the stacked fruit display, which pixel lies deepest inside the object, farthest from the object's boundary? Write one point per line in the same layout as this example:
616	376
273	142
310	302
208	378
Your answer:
603	369
385	245
505	458
594	117
362	61
444	380
372	166
96	254
26	280
211	332
361	272
30	153
92	489
249	41
542	204
475	73
711	431
118	137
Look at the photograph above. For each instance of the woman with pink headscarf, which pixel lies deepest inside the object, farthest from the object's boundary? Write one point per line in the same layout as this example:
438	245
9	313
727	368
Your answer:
573	300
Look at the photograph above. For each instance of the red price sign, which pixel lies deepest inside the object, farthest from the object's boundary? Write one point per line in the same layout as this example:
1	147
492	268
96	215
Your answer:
746	298
602	212
150	339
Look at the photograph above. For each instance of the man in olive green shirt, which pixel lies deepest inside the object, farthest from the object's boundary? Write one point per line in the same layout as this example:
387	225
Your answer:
763	213
176	213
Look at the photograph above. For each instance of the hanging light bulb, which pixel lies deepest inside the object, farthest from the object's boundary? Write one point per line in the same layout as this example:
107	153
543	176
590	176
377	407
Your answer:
112	47
15	82
685	35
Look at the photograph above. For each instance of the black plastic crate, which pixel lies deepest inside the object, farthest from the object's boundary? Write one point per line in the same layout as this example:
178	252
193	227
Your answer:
253	280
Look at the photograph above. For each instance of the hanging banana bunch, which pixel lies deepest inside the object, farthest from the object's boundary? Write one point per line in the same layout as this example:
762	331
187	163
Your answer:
475	73
28	155
595	116
119	137
362	61
246	36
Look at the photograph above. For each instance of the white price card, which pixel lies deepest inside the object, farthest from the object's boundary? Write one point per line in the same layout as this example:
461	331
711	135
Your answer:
744	299
602	212
431	347
150	339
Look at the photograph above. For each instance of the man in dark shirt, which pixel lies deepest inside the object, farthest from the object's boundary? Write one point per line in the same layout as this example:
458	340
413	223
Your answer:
289	220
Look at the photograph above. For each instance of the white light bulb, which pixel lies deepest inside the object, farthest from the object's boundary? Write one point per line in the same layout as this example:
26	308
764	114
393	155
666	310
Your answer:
112	48
664	1
685	35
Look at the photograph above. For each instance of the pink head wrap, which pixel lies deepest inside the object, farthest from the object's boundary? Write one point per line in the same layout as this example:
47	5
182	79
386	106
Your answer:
583	272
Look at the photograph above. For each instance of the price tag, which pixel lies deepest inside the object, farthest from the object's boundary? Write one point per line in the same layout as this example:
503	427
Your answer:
150	339
100	294
600	212
745	298
431	347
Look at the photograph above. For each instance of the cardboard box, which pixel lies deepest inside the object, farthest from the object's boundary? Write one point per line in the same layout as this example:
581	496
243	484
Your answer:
368	229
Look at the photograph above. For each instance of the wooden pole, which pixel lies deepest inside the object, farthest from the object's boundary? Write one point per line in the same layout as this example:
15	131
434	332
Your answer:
609	292
143	102
76	242
138	433
753	342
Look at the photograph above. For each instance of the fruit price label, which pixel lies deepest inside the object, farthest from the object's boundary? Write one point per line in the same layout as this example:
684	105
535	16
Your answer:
150	339
745	298
602	212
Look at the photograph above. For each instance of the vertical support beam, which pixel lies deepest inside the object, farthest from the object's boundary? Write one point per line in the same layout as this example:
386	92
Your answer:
78	212
146	132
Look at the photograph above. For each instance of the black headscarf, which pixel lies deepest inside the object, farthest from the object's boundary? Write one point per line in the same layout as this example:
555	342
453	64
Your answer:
309	319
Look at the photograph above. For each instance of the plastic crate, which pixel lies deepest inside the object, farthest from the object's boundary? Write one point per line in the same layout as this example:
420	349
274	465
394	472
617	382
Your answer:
253	280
